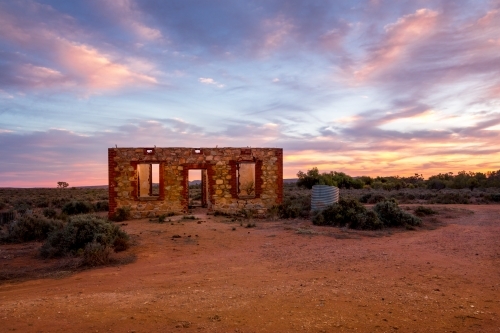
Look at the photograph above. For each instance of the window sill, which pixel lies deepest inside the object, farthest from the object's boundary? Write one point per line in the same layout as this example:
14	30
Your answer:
151	198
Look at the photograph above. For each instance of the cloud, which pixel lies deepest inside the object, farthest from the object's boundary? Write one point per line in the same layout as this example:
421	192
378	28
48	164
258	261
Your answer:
129	16
53	55
210	81
247	30
429	51
397	43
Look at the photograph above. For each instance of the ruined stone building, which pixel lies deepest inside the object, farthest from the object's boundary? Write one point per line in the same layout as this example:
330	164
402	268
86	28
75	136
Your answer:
155	181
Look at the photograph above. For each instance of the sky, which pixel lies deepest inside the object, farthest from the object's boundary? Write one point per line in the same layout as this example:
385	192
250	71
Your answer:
365	87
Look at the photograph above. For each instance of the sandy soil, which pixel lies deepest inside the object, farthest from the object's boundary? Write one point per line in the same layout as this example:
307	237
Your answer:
281	276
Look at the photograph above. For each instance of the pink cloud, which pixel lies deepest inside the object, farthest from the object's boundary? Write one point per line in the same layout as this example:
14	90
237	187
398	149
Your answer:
398	41
96	69
71	61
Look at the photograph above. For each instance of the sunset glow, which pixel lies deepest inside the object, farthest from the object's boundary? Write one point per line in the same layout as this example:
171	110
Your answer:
372	88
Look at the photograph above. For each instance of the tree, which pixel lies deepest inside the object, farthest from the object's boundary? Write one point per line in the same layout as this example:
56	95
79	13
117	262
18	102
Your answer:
62	184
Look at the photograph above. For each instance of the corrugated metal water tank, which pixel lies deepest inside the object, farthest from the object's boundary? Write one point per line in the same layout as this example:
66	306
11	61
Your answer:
323	196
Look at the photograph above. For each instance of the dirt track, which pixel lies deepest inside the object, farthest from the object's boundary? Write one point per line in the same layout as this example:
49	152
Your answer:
281	276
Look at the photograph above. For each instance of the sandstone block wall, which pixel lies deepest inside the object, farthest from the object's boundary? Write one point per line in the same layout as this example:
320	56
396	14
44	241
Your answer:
221	179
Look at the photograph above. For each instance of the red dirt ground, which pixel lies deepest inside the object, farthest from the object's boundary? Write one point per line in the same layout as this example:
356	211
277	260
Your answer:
281	276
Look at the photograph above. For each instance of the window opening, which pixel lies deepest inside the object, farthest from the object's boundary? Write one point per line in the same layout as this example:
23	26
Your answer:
195	188
148	180
246	180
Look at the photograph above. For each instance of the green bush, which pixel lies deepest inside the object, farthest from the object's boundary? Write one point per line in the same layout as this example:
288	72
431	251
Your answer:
348	213
495	197
451	198
376	198
22	208
50	213
101	206
392	215
80	231
294	206
42	203
31	228
96	254
59	202
365	197
424	211
77	207
121	214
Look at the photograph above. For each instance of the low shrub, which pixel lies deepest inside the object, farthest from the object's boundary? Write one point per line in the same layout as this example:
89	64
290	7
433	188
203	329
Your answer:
96	254
23	208
376	198
59	202
365	197
392	215
101	206
424	211
162	217
495	197
50	213
31	228
121	214
295	206
348	213
42	203
80	231
451	198
77	207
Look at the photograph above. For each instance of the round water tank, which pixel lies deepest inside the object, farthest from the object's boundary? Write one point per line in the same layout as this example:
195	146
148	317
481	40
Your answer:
323	196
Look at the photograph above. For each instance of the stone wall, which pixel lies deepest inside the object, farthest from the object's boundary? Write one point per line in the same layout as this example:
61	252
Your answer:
220	170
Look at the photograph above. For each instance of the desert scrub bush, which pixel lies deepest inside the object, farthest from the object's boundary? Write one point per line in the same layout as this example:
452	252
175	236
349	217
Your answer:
96	254
273	212
296	204
77	207
22	208
31	228
162	217
424	211
59	202
365	197
376	198
42	203
80	231
49	213
121	214
392	215
495	197
348	213
101	206
451	198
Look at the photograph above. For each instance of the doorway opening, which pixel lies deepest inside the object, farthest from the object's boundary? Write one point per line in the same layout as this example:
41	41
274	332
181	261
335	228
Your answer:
197	188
